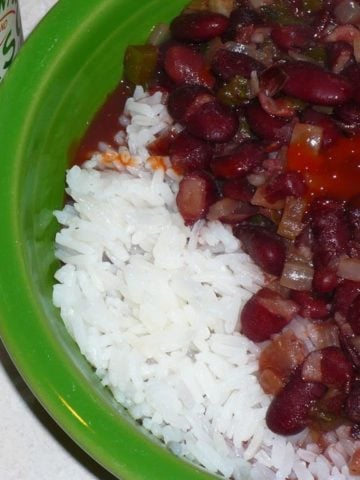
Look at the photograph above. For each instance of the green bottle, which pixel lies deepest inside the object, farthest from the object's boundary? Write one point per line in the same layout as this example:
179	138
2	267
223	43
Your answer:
10	33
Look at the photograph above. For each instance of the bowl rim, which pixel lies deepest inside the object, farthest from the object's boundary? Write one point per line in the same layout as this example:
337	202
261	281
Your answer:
128	453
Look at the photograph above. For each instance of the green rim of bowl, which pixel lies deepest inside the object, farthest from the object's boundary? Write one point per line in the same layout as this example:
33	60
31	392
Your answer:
61	76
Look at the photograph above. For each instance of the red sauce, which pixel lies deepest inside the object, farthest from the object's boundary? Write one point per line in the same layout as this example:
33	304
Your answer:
104	126
334	172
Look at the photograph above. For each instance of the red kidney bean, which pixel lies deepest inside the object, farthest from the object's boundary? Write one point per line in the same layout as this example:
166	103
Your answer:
185	100
185	65
239	163
289	412
284	185
353	316
339	55
310	306
322	19
198	26
311	83
349	116
336	369
227	63
240	17
345	294
352	73
197	191
268	126
213	122
325	280
238	189
353	249
353	209
330	367
334	403
331	132
265	314
292	36
330	229
265	248
352	405
188	153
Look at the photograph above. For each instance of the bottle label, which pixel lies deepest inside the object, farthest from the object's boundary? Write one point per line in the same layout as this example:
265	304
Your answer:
10	33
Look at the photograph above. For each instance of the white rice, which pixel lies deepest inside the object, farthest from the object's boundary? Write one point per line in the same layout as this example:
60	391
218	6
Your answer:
154	305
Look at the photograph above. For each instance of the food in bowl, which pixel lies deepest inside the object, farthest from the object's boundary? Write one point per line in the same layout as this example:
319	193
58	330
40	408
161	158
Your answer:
211	243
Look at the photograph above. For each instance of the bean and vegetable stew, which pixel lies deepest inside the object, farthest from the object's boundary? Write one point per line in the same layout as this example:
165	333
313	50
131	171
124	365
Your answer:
267	95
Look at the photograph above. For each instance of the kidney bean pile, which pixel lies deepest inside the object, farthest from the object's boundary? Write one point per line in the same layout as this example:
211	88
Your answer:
269	102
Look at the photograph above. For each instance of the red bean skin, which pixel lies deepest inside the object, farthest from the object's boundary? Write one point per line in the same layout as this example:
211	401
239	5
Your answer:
198	26
353	316
353	209
213	122
352	406
325	280
310	307
268	126
238	189
284	185
339	52
336	369
227	63
239	18
311	83
289	411
292	36
188	153
349	116
184	65
330	228
345	294
197	191
259	319
239	163
352	74
185	100
265	248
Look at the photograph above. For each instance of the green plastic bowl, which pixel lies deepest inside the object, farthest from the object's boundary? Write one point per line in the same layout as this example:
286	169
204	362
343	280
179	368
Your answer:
59	80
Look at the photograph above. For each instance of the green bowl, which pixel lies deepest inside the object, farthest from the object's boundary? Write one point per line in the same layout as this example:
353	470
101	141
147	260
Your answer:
59	80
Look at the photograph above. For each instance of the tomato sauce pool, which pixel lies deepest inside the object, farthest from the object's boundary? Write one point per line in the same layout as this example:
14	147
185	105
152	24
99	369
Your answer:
104	126
333	172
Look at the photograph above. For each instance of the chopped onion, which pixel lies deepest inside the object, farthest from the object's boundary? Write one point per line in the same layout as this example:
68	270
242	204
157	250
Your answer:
309	136
260	34
221	208
231	211
356	47
346	33
279	106
225	7
278	305
256	179
347	11
349	268
291	224
297	275
311	369
256	4
259	199
354	464
159	34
